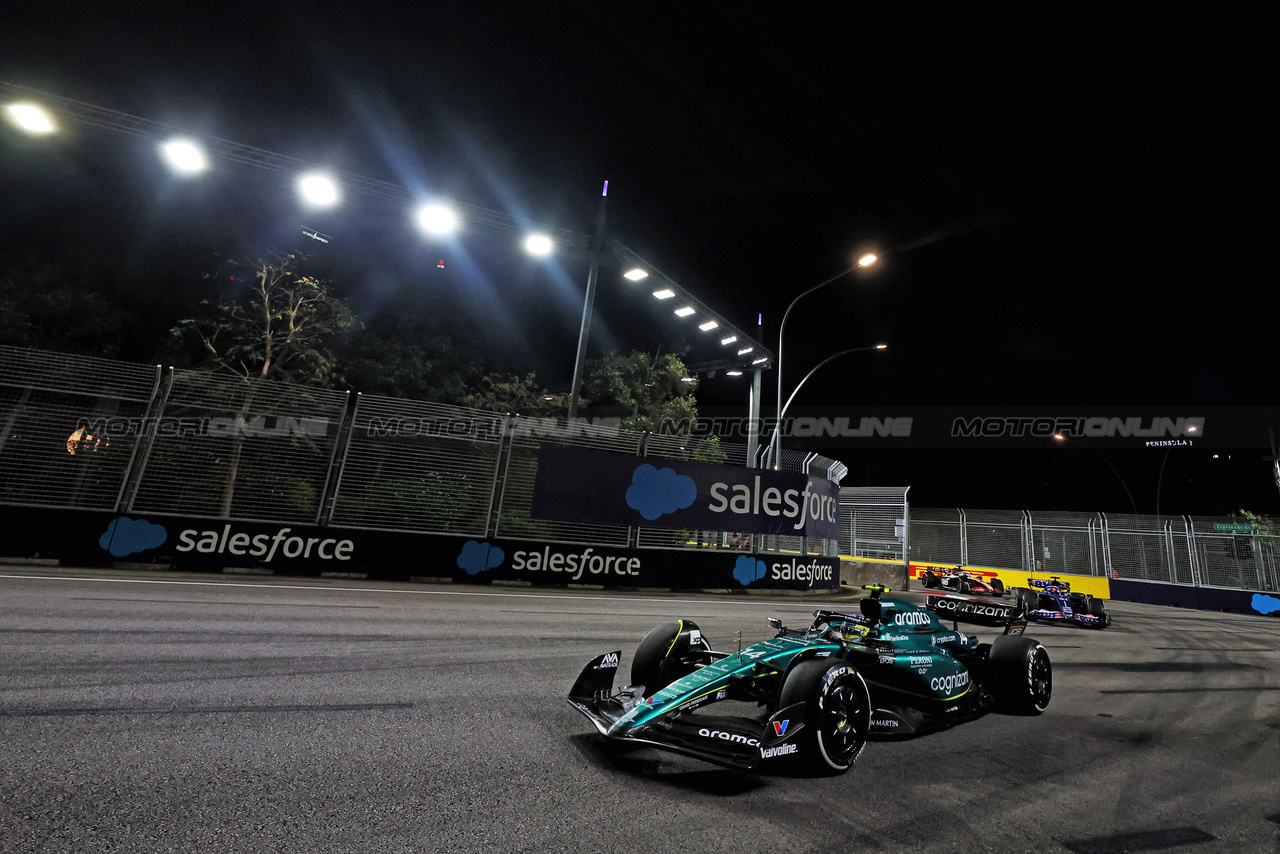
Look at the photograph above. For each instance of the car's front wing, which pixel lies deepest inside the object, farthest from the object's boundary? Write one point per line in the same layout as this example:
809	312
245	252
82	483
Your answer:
737	742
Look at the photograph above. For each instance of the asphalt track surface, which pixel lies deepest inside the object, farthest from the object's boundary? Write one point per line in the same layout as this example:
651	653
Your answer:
154	712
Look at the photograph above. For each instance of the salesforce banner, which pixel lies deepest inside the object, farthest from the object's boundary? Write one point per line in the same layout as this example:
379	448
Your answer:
87	538
580	485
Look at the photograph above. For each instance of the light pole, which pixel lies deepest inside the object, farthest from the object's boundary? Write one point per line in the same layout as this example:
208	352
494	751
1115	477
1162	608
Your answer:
775	449
792	397
1064	438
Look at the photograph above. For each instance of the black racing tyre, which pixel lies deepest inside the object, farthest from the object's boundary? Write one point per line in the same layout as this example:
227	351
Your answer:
1025	599
837	714
666	654
998	586
1098	608
929	579
1020	675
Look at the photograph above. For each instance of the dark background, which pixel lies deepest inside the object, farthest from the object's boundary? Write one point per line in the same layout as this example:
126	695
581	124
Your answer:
1068	198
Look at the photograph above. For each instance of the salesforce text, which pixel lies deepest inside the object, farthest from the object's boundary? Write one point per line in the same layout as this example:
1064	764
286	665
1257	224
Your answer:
575	564
746	501
258	545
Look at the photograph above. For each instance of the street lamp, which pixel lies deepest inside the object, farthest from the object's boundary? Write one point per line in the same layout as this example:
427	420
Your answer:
787	405
776	446
1064	438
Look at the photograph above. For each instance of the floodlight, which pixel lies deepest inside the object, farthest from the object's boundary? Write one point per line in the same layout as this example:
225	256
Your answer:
867	260
733	373
708	326
184	156
745	350
727	341
318	190
635	274
31	118
437	219
538	244
685	311
665	293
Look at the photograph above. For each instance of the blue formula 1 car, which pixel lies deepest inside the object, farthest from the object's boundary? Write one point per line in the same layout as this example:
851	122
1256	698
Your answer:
810	698
1052	601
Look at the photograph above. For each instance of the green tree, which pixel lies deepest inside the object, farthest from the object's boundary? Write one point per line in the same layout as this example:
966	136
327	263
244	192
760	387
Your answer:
418	346
644	391
283	327
61	307
519	395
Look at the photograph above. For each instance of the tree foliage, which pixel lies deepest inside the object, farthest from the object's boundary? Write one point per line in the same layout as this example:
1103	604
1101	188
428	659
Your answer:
644	391
418	346
283	326
60	308
514	394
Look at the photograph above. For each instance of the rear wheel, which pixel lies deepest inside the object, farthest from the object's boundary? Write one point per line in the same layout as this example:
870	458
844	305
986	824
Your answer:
667	653
837	714
1021	675
929	580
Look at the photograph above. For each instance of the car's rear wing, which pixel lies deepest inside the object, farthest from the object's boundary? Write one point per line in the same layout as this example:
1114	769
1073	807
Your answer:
983	612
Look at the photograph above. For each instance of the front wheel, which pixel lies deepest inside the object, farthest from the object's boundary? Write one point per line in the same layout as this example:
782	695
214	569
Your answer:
837	714
1098	608
1021	675
1025	599
997	586
669	652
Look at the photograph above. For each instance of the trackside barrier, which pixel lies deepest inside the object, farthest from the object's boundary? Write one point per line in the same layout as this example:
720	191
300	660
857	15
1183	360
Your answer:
1161	559
143	441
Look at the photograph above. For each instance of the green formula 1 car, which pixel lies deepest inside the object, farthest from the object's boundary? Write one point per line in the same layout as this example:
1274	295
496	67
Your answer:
811	698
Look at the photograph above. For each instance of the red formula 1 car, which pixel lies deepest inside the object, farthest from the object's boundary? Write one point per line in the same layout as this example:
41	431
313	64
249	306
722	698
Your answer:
953	579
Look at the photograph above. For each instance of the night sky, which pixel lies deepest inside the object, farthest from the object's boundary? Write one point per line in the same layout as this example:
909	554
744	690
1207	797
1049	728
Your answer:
1068	198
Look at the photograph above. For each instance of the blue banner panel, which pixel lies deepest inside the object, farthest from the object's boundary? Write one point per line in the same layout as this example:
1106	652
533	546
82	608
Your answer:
580	485
86	538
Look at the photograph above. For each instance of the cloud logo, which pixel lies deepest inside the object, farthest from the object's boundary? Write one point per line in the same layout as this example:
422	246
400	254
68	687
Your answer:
747	569
477	557
125	536
656	492
1265	604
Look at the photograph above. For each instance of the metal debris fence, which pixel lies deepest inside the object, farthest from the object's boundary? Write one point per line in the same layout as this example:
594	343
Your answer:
88	433
1194	550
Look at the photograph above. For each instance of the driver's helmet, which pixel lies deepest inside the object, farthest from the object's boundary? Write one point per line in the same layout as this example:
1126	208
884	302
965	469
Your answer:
846	631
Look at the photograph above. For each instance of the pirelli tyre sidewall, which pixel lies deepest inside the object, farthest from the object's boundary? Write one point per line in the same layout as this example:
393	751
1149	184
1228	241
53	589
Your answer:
663	655
1098	608
1020	675
837	714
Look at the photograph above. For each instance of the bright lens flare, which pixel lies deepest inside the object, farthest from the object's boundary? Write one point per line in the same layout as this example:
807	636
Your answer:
867	260
538	244
437	219
31	118
184	156
318	190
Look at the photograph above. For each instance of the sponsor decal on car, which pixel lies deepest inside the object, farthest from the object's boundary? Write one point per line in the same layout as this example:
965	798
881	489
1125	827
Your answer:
780	750
735	737
780	727
910	618
887	723
609	662
950	683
